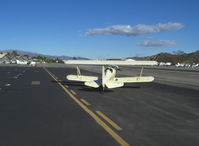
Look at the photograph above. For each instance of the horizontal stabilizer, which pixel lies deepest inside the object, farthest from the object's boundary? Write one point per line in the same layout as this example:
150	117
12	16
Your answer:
135	79
81	78
93	84
108	62
114	84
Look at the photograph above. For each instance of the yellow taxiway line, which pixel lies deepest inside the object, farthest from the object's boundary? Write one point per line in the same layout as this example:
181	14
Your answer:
109	121
73	92
85	102
119	139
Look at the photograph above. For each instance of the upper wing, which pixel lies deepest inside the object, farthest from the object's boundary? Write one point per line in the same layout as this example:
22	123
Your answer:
108	62
134	79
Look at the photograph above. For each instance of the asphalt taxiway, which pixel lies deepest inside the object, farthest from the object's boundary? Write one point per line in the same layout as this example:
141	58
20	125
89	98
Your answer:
38	106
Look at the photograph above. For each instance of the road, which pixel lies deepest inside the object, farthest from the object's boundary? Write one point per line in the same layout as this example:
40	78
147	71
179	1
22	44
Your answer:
40	107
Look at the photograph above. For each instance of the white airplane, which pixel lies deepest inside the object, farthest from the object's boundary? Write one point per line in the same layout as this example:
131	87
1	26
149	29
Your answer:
108	79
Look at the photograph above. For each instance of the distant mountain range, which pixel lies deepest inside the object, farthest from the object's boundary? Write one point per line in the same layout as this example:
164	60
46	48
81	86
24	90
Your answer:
174	58
31	54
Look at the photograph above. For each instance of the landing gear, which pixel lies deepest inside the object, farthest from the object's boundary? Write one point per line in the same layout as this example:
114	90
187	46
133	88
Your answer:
101	89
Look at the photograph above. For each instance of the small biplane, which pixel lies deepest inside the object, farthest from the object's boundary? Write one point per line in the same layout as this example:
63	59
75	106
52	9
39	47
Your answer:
109	70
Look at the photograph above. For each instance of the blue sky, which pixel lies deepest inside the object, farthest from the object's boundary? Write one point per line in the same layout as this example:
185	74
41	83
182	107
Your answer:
99	29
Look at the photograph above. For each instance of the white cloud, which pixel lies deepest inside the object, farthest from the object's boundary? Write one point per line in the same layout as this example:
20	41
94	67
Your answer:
135	30
150	42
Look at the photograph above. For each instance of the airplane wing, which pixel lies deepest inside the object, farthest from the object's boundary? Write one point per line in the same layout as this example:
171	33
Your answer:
81	78
134	79
109	62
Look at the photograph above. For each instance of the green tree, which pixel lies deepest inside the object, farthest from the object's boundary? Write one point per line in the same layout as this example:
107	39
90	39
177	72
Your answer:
15	53
74	58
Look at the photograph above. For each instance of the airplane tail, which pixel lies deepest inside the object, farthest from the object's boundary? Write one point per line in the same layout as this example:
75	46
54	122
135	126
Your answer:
114	84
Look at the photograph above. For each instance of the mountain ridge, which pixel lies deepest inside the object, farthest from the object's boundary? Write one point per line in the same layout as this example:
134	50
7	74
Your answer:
175	57
31	54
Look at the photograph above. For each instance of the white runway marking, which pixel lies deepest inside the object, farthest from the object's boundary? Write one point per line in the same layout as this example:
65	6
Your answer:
35	83
7	85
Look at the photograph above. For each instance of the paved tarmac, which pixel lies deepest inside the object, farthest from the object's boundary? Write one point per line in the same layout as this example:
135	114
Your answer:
38	106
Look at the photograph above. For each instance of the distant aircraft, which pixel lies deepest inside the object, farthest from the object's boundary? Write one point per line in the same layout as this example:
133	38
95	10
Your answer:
109	69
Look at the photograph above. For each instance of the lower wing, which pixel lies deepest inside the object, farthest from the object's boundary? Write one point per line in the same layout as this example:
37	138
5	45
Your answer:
81	78
134	79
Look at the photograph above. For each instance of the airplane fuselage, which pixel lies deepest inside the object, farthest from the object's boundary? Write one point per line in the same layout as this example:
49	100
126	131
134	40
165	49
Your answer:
109	74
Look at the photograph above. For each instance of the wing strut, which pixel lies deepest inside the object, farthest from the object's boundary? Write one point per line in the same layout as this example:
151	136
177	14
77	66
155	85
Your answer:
141	72
103	75
78	71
